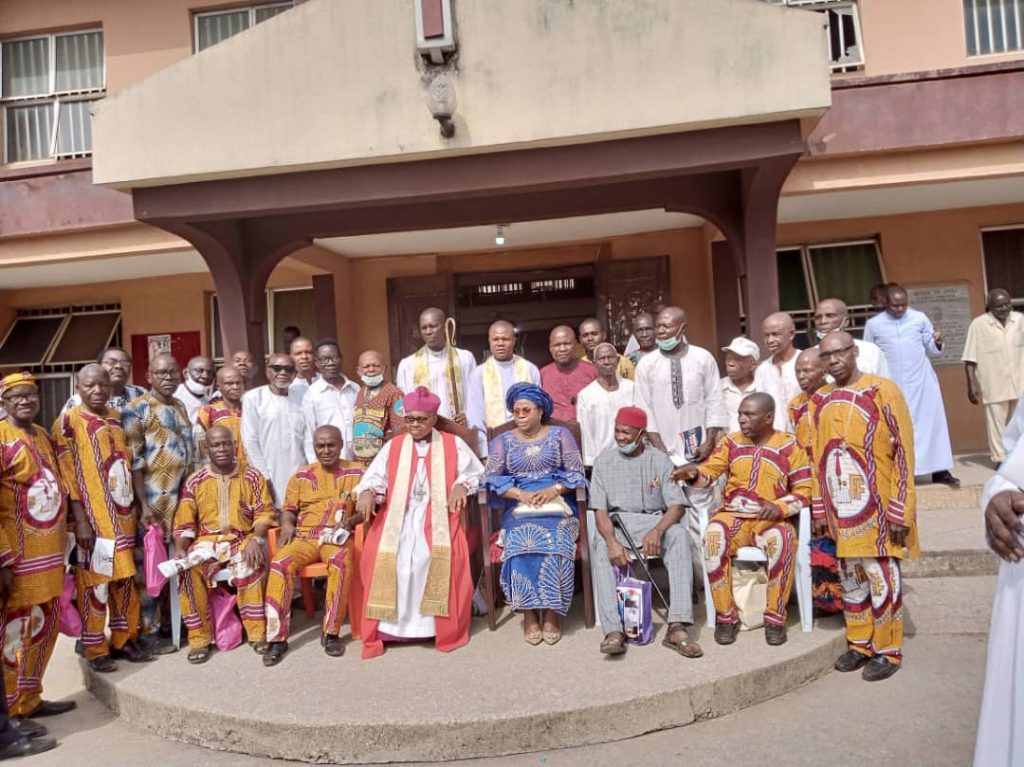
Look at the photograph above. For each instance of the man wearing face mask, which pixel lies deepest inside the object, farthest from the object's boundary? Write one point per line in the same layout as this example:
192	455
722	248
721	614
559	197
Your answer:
377	416
634	480
194	391
832	314
330	399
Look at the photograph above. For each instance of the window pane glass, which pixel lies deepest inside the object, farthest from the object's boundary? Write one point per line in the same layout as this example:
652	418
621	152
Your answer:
216	27
54	391
26	65
28	341
792	285
969	28
269	12
79	61
293	307
74	128
1011	17
846	272
1004	260
984	38
84	338
28	130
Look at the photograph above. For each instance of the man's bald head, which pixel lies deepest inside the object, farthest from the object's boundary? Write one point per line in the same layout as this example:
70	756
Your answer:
999	304
838	353
501	340
562	345
830	314
778	330
810	371
219	431
896	301
432	321
327	443
93	368
670	328
764	403
757	416
230	383
221	448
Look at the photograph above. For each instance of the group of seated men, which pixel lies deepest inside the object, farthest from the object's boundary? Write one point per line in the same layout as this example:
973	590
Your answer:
218	463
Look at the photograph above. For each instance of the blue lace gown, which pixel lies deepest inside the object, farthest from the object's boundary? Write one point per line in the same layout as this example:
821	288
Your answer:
537	560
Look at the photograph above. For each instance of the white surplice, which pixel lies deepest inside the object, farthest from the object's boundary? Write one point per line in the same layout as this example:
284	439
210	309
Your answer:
437	365
273	433
907	343
780	382
325	404
413	549
476	404
596	408
1000	739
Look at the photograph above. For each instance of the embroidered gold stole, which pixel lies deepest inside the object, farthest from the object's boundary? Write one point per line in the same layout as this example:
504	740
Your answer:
452	376
495	413
382	602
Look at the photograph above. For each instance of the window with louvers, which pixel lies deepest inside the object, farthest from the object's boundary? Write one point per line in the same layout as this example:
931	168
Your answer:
48	85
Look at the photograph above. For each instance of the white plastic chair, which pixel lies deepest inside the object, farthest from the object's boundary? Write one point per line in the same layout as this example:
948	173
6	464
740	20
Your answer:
801	575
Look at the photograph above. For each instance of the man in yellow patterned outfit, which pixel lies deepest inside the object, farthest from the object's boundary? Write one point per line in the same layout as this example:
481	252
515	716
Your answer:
768	480
318	502
226	410
227	510
810	374
96	466
864	496
33	521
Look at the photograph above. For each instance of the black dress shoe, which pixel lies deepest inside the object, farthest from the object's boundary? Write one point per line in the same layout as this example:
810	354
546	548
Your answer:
851	660
52	708
774	635
878	668
276	652
25	747
725	633
946	478
28	728
132	653
333	645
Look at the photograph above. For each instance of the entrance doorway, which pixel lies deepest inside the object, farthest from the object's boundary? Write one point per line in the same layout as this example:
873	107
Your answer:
533	300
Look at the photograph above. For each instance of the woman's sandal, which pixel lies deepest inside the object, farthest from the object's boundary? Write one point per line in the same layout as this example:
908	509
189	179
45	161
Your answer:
681	644
551	637
614	643
199	655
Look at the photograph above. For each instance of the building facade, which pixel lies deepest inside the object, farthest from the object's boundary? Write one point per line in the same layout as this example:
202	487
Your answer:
250	167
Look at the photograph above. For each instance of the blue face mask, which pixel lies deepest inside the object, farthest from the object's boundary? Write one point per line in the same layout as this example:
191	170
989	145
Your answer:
670	344
373	381
629	448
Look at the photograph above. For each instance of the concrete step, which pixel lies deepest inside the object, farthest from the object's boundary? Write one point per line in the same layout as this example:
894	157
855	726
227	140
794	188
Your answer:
962	562
495	696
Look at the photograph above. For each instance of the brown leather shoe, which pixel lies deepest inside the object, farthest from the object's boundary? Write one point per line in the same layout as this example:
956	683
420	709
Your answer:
725	633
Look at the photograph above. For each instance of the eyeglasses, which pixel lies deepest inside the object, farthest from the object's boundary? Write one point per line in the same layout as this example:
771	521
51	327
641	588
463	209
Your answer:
834	353
165	374
117	363
282	368
417	419
326	359
28	397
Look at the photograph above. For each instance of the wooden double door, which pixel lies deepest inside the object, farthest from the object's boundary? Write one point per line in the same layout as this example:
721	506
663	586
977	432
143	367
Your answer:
533	300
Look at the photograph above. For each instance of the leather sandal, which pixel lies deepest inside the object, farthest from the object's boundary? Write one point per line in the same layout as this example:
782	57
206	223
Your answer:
103	664
677	638
274	653
333	645
199	655
614	643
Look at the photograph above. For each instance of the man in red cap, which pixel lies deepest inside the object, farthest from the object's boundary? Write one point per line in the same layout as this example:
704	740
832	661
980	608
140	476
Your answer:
633	480
415	561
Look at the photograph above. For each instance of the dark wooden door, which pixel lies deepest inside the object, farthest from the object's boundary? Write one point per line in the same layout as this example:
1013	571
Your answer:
627	288
407	298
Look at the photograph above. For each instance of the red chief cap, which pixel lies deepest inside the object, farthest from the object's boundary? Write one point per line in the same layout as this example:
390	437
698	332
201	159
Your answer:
632	416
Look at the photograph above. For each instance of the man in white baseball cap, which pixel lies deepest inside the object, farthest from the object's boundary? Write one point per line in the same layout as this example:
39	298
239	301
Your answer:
741	357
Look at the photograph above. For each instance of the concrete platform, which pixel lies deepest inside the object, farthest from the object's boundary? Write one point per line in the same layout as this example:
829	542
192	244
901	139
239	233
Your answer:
494	697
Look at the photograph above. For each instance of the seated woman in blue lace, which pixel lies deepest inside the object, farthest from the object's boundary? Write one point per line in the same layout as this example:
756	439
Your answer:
531	467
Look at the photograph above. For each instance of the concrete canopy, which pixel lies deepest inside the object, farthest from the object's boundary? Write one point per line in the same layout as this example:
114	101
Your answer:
334	83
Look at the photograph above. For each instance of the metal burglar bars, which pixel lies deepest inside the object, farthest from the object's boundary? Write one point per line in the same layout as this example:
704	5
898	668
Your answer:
47	83
993	26
842	28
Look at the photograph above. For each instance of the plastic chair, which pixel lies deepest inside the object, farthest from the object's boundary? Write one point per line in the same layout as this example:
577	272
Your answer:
319	570
802	568
487	526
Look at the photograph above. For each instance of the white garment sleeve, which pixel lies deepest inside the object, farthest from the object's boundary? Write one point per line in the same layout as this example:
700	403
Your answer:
644	400
375	477
251	433
714	405
309	416
404	376
926	337
587	431
534	374
467	364
475	410
883	365
471	471
869	332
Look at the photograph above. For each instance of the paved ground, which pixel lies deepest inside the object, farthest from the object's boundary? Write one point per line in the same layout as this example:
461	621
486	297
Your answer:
926	714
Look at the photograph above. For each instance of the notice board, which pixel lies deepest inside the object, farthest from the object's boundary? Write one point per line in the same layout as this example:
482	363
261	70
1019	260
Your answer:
183	345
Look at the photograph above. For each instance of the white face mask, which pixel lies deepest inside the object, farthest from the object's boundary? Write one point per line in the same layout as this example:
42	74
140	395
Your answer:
194	386
820	334
373	381
630	447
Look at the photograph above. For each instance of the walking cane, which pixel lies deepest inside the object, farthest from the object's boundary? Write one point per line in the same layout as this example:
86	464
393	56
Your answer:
640	560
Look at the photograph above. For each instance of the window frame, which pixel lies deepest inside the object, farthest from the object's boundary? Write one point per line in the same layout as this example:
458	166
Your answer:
1017	303
286	4
53	96
823	6
1019	27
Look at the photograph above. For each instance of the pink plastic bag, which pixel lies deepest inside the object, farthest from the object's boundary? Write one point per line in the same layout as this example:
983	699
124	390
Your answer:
70	618
154	553
227	626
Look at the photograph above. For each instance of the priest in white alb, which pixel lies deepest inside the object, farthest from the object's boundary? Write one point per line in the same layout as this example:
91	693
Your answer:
415	560
489	382
1000	741
438	366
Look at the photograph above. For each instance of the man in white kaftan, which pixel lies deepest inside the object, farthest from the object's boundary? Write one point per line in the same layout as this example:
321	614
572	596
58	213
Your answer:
599	401
1000	739
414	552
431	367
777	374
907	338
273	427
195	390
489	382
330	400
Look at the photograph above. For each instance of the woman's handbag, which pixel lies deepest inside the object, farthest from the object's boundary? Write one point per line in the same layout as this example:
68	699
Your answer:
556	507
